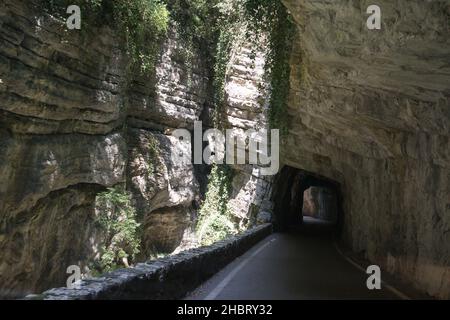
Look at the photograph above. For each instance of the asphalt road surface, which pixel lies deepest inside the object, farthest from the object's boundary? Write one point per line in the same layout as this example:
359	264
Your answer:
301	264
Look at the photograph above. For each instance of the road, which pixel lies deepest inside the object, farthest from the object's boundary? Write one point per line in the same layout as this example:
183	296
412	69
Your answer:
301	264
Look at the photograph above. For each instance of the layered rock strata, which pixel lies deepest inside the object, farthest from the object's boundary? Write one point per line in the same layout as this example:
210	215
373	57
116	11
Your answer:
371	110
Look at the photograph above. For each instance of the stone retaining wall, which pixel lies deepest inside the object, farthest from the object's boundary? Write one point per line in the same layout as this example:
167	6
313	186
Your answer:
169	278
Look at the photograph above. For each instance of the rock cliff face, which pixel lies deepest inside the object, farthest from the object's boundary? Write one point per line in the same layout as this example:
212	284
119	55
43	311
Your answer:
246	108
72	123
60	143
368	109
371	110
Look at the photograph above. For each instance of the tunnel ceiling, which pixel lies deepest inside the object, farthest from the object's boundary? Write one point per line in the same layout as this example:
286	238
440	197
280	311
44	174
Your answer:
370	109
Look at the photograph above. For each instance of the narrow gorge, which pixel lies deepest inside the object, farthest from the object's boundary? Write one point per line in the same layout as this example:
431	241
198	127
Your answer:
87	170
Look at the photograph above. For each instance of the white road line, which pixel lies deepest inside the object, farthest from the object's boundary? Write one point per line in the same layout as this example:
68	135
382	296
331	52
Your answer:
400	294
218	289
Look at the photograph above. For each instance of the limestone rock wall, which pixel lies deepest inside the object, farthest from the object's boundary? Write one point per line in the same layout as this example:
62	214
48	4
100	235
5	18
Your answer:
72	123
371	110
165	192
246	108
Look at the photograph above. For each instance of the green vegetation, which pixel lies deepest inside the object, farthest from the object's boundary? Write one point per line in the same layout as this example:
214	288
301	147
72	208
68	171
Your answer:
214	222
120	230
259	18
211	25
220	69
142	24
195	21
213	28
228	20
153	148
272	18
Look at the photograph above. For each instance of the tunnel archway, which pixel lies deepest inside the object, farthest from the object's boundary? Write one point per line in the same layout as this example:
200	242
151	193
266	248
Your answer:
290	187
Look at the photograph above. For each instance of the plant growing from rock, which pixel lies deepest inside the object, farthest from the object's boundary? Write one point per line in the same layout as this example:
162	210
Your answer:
271	17
215	219
260	18
116	218
141	23
154	154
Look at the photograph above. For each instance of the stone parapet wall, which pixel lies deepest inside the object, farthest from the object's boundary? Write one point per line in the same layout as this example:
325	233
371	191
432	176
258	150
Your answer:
169	278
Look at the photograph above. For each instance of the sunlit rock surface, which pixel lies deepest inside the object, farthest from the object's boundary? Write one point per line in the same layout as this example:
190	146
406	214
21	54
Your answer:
163	189
369	109
72	123
246	109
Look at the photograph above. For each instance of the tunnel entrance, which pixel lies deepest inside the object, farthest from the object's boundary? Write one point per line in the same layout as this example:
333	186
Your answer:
320	203
298	193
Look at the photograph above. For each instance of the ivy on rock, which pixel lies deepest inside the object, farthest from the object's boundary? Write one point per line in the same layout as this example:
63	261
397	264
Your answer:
209	28
120	231
141	23
272	18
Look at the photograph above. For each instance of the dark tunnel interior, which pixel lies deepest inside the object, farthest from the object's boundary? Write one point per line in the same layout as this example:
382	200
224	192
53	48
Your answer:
298	194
